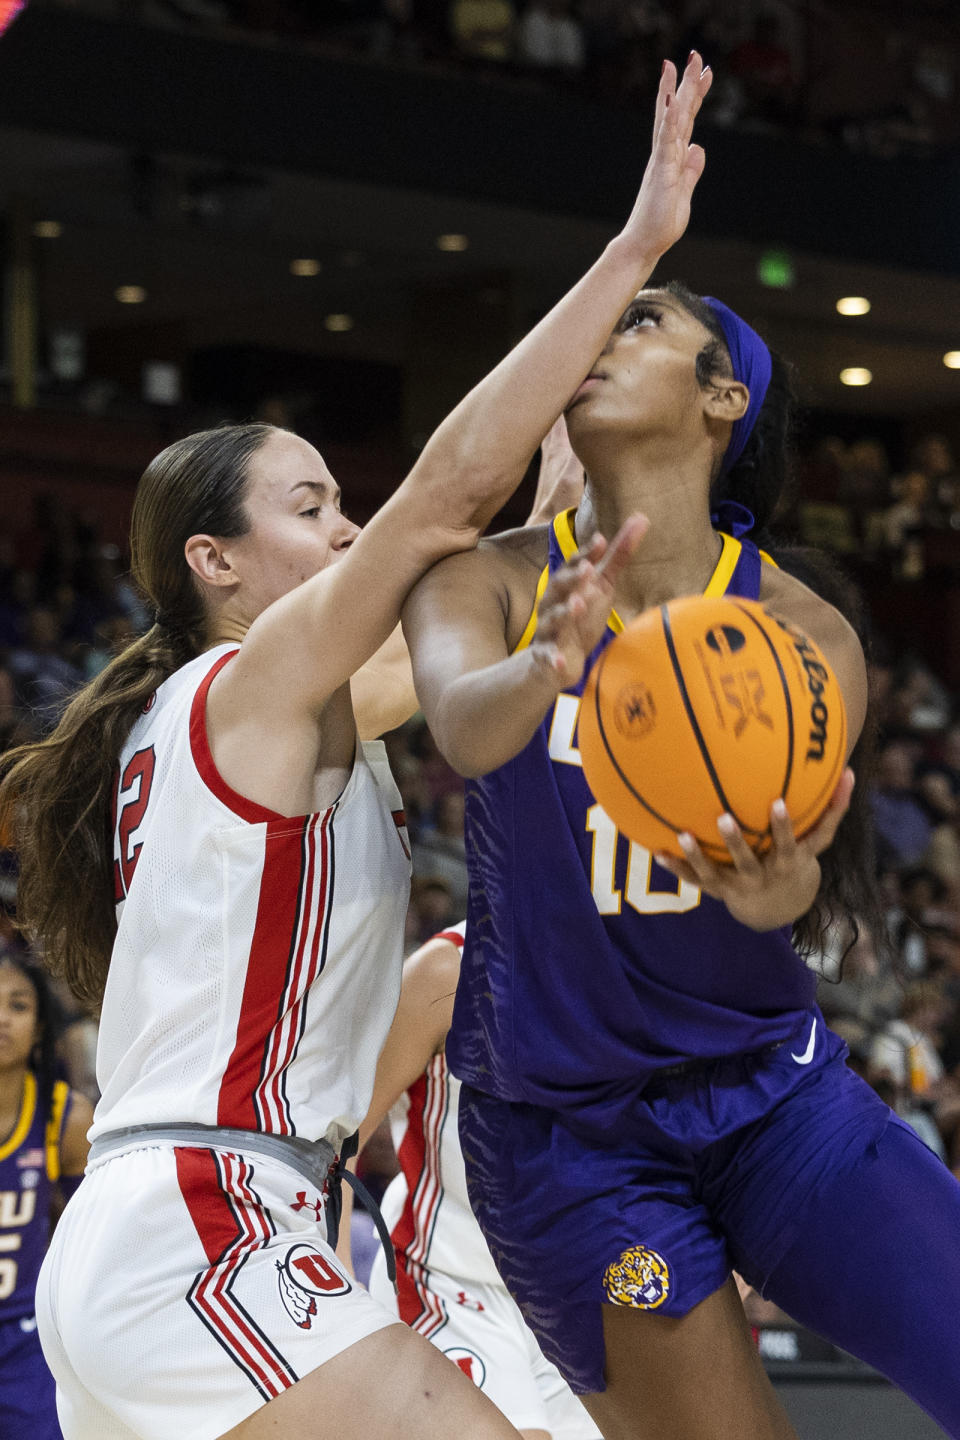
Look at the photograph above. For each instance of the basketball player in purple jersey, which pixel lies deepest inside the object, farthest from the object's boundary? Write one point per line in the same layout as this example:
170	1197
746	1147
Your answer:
42	1154
650	1095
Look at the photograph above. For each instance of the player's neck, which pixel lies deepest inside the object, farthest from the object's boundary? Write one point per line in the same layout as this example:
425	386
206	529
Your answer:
679	552
11	1099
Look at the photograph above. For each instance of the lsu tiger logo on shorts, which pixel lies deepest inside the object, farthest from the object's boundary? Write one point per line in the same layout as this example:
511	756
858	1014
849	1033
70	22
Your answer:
640	1278
304	1275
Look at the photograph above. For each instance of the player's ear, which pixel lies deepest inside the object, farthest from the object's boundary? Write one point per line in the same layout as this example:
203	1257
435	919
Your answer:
726	399
204	554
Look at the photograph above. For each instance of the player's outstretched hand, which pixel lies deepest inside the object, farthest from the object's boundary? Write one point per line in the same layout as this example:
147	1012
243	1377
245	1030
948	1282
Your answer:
662	208
575	605
770	890
560	482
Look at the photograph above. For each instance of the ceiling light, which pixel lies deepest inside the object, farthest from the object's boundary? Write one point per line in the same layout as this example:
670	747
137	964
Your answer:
130	294
855	375
853	305
339	322
47	229
452	242
952	359
305	267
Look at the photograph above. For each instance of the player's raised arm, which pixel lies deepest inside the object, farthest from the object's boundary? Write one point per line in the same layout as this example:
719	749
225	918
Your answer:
305	646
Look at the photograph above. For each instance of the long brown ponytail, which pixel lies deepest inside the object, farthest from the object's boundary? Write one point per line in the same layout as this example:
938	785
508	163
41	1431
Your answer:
55	795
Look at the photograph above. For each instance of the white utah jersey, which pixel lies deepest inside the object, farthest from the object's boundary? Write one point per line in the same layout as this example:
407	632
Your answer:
257	962
426	1206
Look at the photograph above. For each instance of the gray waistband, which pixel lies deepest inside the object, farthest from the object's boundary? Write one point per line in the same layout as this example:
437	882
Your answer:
310	1158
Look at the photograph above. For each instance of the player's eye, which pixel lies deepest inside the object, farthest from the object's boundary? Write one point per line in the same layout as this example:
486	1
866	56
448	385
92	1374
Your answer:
638	315
313	510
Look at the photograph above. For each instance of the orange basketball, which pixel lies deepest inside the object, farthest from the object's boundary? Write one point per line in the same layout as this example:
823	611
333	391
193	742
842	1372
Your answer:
704	706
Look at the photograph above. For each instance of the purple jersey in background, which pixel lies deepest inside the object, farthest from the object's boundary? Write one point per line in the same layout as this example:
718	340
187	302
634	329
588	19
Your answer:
29	1170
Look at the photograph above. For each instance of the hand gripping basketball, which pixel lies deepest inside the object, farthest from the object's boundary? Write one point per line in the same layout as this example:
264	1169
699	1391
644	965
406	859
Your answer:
776	888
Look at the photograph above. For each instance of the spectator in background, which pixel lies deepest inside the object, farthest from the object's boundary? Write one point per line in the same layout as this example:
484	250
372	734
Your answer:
905	1054
441	852
41	1163
899	528
44	680
766	73
933	457
918	702
430	910
551	37
923	898
865	482
484	30
17	599
902	824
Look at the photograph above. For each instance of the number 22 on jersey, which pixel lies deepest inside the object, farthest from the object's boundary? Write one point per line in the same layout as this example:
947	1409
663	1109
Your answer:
131	797
603	861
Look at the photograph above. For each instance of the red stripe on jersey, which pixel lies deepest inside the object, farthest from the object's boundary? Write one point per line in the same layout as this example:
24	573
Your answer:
314	914
454	937
203	755
411	1156
266	980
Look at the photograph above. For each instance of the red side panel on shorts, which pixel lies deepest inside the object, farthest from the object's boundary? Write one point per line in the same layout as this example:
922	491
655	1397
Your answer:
231	1222
199	1181
419	1157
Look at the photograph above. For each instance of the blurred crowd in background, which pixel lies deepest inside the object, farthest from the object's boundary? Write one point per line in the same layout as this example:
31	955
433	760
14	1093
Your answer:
773	57
67	603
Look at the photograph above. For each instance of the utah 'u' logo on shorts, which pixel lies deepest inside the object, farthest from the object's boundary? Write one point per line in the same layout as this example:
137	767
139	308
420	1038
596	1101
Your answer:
305	1275
639	1278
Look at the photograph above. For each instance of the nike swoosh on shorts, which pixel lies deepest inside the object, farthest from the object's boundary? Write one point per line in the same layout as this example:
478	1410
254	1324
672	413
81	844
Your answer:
807	1055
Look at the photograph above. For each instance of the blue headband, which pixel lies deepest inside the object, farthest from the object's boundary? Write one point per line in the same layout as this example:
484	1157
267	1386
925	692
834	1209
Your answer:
751	366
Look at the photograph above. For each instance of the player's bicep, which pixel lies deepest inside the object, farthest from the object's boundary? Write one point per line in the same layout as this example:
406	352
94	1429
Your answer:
454	622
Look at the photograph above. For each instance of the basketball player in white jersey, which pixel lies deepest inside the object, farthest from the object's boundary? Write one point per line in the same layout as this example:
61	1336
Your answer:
209	853
448	1288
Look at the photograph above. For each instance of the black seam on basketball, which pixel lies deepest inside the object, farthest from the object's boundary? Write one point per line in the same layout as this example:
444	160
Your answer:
704	844
786	696
695	726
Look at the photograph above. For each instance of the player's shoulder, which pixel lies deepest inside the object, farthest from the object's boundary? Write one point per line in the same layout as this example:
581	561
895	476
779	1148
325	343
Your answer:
791	597
435	968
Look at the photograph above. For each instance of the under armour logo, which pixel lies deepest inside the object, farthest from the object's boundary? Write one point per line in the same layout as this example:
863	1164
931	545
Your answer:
302	1203
464	1299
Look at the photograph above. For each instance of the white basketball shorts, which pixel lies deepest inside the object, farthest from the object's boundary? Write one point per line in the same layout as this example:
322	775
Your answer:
480	1328
185	1287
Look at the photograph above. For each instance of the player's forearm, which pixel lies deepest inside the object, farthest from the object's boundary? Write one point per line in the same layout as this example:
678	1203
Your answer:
478	455
484	718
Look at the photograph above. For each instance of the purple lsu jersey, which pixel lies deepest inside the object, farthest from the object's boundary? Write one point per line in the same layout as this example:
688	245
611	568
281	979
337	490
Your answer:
587	967
29	1169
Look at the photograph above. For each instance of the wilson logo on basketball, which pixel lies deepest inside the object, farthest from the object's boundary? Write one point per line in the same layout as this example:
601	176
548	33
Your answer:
817	679
303	1276
635	713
